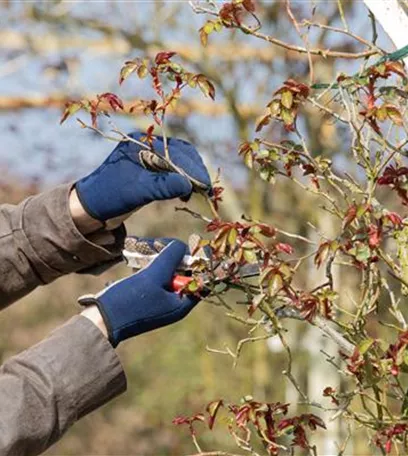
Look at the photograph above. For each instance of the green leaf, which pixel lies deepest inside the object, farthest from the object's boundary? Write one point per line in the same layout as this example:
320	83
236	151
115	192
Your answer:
218	26
264	274
249	160
365	345
191	80
250	256
71	108
275	284
287	99
274	108
206	86
395	116
381	114
287	116
285	270
263	121
232	236
267	174
203	37
128	69
381	68
212	409
193	286
363	253
263	153
142	71
209	27
248	245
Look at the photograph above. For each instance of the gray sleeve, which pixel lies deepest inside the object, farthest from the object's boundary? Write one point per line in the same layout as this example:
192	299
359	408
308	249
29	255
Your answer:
48	387
39	242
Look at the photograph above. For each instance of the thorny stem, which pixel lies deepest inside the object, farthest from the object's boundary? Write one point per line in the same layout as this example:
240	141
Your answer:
318	52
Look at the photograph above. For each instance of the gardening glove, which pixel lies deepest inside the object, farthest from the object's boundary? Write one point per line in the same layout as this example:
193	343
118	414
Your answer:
125	181
144	301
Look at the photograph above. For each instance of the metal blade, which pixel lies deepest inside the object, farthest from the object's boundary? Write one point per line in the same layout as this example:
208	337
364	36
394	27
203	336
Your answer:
249	270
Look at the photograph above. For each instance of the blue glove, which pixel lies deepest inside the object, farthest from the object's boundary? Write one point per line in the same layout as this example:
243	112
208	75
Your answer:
143	301
122	183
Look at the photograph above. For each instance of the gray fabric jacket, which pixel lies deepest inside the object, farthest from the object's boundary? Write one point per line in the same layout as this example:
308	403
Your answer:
48	387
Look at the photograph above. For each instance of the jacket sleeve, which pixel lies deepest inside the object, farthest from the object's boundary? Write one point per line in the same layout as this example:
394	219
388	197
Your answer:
39	242
45	389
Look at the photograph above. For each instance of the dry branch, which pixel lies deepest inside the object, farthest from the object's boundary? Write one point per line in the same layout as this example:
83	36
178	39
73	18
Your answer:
229	52
183	109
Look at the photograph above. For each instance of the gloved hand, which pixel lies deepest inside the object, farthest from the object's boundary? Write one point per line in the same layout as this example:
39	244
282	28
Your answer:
143	301
122	184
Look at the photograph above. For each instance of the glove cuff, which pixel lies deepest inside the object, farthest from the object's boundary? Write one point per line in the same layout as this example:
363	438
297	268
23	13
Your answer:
92	300
82	200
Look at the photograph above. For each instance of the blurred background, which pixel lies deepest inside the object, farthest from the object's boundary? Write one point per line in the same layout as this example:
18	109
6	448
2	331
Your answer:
53	51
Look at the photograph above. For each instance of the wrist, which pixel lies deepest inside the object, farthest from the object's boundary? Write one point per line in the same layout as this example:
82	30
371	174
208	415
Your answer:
83	221
92	313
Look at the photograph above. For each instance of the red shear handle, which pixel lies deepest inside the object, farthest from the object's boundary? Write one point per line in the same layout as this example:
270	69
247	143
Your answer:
179	282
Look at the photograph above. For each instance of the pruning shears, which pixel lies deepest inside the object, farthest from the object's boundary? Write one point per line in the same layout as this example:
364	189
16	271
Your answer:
138	254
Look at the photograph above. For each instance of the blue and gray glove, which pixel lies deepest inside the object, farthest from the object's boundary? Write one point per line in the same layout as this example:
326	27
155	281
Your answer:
132	177
144	301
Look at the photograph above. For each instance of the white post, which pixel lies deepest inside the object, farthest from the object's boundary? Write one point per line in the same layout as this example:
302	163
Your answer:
393	19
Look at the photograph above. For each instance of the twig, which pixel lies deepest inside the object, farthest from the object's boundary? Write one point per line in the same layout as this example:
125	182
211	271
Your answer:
303	38
306	23
290	47
242	342
193	214
295	236
215	453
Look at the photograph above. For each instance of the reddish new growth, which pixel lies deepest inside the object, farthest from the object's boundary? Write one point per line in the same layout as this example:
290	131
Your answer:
231	14
396	354
163	72
285	105
396	178
267	419
385	437
94	107
374	113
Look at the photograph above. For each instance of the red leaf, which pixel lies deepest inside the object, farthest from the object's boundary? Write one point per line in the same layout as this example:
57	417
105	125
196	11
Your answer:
394	218
114	101
249	5
229	14
266	230
308	169
156	82
350	216
374	236
94	117
285	248
189	421
164	57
